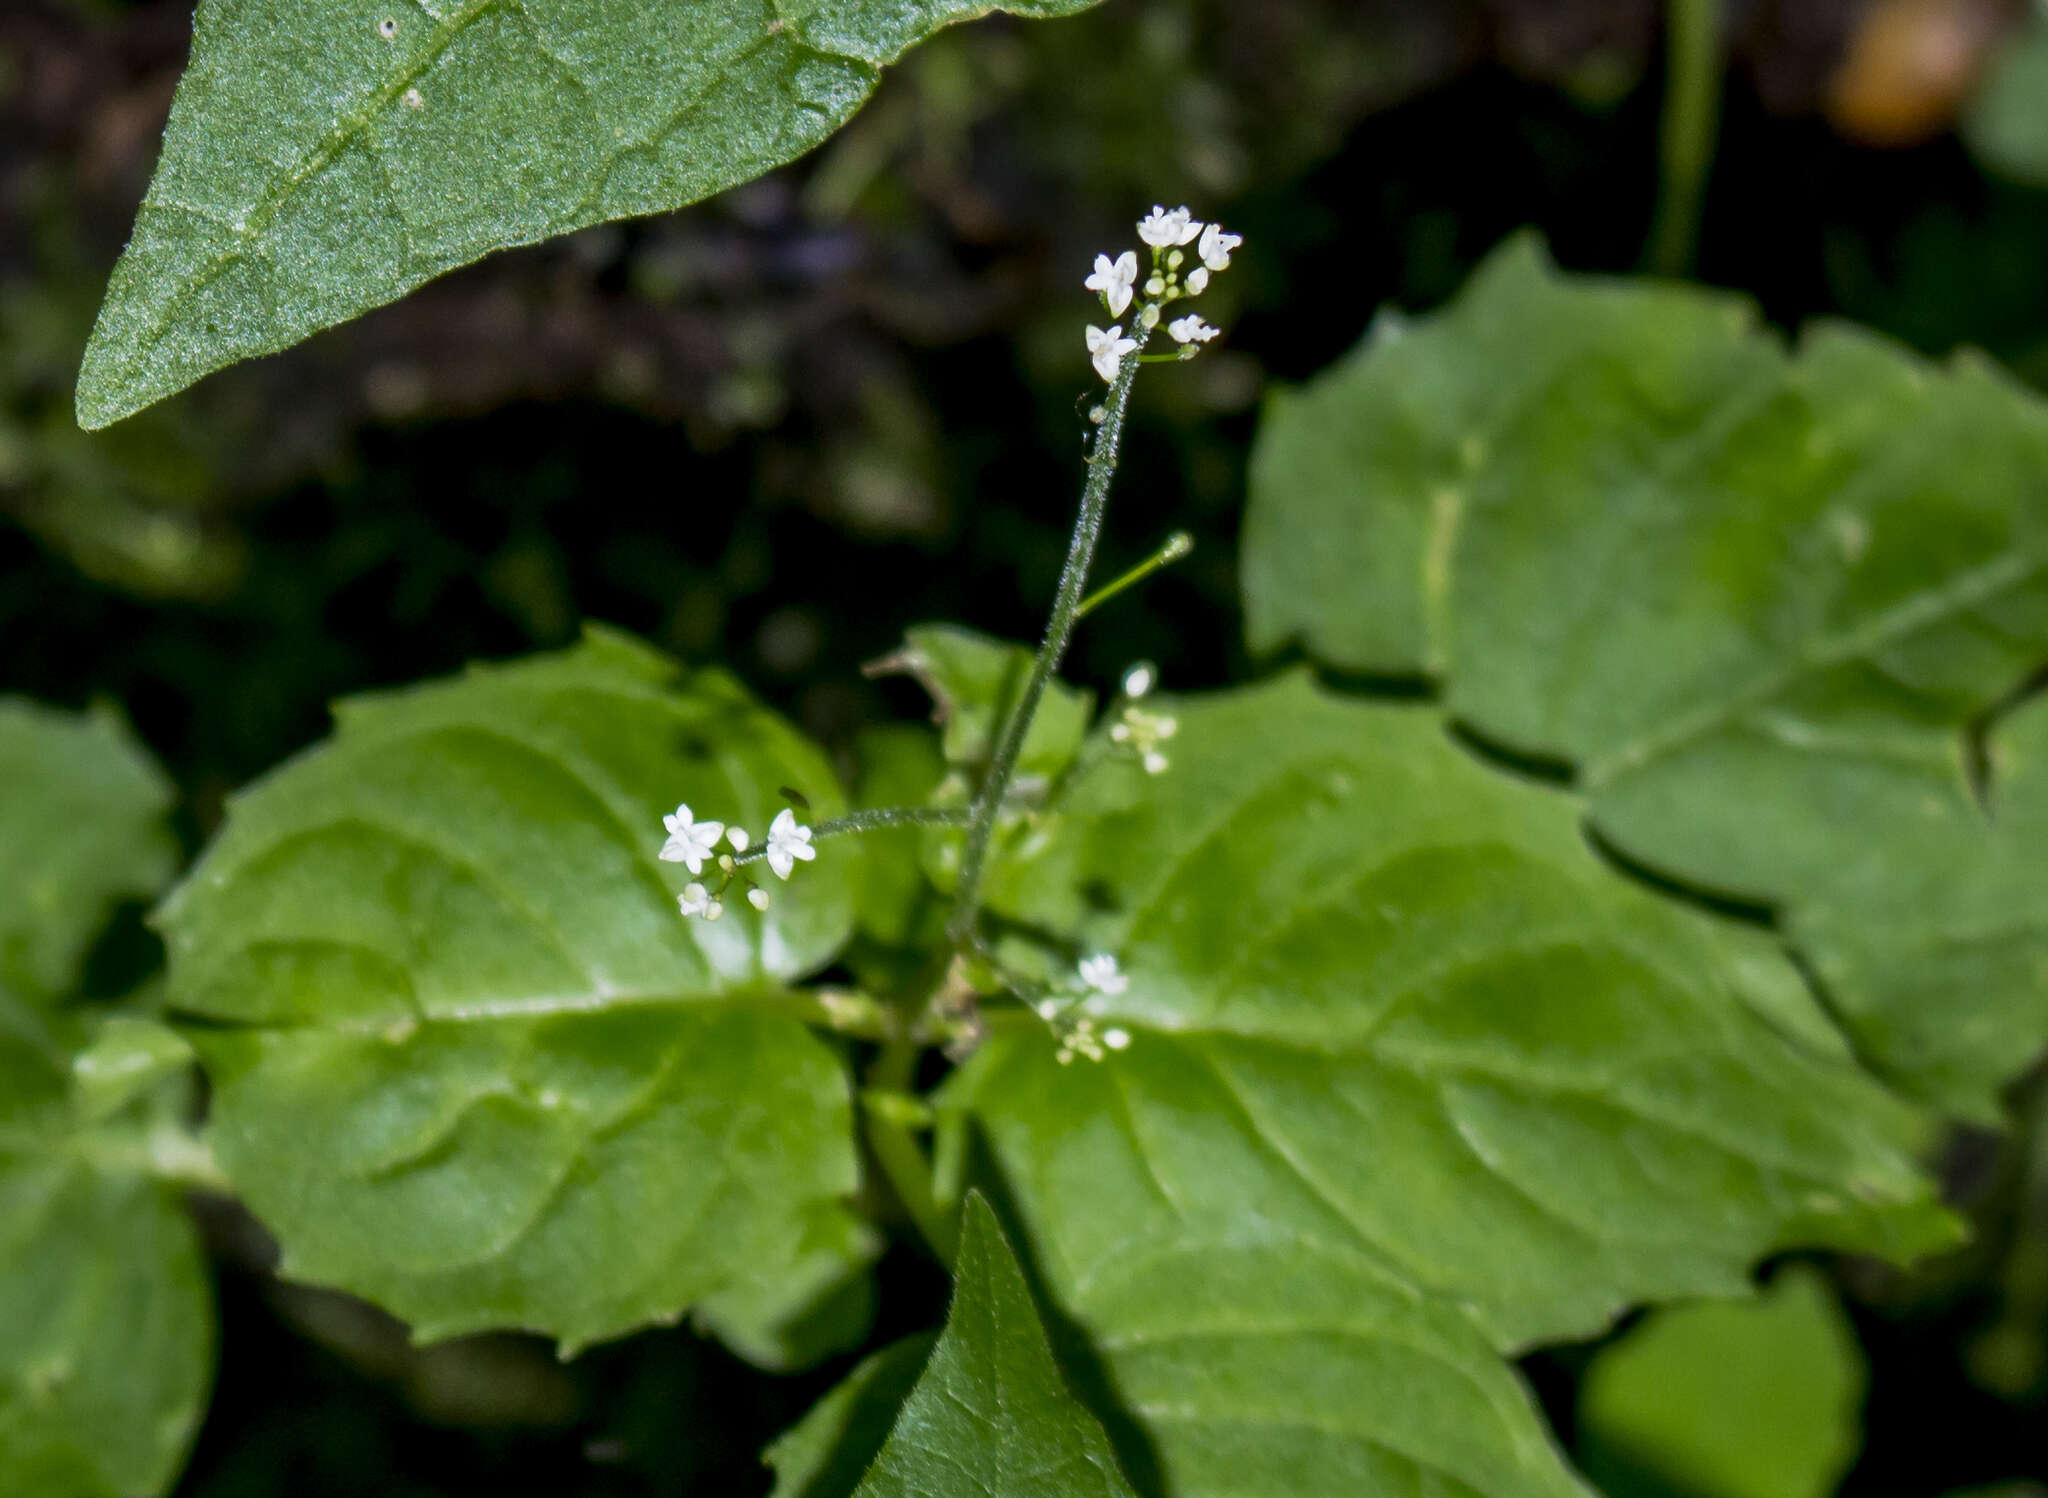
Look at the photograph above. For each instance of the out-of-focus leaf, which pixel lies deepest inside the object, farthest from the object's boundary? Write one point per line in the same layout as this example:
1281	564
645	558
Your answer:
326	156
81	829
1751	1399
1398	1043
824	1454
975	682
992	1417
1758	602
129	1056
469	1060
900	765
2007	123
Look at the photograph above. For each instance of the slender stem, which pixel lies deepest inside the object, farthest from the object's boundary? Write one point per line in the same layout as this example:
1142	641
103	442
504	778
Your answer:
1059	630
868	821
1178	545
896	1150
1692	107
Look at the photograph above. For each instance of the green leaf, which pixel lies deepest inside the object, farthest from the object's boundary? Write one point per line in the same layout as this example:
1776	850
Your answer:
1757	1399
81	829
974	682
900	765
824	1454
1400	1043
326	156
2006	123
992	1417
469	1061
106	1318
1757	602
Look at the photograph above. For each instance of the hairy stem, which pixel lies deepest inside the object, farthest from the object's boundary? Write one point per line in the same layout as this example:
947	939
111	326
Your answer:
1692	107
868	821
1059	630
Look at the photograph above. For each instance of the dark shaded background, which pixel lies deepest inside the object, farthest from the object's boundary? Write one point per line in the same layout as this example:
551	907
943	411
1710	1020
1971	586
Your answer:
775	429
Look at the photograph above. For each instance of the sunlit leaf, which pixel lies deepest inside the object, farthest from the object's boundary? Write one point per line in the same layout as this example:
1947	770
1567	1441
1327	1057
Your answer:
469	1060
1399	1042
1757	603
2006	123
326	156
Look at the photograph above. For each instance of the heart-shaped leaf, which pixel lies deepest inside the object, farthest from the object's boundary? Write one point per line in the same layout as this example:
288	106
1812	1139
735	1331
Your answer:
469	1059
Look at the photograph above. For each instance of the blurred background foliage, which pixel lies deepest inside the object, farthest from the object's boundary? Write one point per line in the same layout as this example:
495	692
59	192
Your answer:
777	428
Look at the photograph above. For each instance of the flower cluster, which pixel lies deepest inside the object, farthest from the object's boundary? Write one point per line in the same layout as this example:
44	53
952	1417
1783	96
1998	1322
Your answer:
1167	234
1077	1033
693	843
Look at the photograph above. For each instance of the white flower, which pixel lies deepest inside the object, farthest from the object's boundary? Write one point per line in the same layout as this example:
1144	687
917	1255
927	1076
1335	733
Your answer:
1100	973
737	836
787	843
713	911
1215	247
689	841
1198	280
1163	230
694	900
1190	329
1156	763
1107	350
1114	279
1116	1038
758	898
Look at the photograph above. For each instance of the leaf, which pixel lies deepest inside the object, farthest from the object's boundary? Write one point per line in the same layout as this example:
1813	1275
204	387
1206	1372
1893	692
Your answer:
992	1417
900	765
469	1061
1756	1399
2006	123
1399	1044
324	157
824	1454
81	829
974	682
1757	603
106	1317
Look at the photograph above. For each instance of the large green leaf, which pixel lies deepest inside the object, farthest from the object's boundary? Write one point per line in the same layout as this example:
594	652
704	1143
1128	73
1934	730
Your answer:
81	828
992	1417
469	1060
326	156
1758	602
1400	1043
1757	1399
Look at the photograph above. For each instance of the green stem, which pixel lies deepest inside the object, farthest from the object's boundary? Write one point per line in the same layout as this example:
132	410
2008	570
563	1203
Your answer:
868	821
1692	107
1059	630
1178	545
896	1150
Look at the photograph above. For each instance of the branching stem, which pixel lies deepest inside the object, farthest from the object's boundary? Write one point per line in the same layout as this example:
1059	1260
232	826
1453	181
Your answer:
1059	631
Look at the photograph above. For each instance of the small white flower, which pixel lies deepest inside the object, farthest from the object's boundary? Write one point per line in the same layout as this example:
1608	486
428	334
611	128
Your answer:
737	836
1191	329
694	900
787	843
1155	763
758	898
1138	680
1216	246
1114	279
713	911
1107	350
689	841
1162	230
1198	280
1100	973
1117	1039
